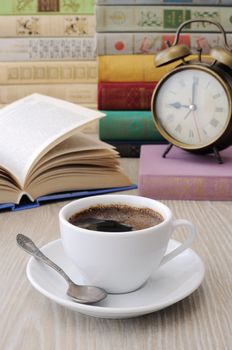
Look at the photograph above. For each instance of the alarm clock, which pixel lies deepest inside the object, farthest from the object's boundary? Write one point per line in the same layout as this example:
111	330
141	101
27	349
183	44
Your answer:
192	104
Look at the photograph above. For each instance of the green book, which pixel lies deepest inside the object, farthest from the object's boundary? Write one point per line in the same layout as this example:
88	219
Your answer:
160	18
128	125
35	7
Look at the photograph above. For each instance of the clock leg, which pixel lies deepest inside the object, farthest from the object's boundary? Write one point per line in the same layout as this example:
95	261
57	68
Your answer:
167	150
217	155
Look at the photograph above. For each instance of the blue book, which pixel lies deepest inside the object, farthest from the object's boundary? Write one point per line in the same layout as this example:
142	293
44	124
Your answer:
25	203
44	157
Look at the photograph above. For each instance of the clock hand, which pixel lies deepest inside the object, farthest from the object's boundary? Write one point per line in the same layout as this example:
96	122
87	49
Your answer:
191	109
196	124
193	90
186	116
178	105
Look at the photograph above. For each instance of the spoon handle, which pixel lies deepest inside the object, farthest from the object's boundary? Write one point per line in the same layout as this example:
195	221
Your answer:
29	246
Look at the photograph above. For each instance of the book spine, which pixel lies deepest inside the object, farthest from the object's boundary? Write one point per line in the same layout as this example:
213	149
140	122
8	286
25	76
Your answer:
160	18
49	7
185	188
131	149
48	72
152	2
130	68
52	49
47	26
134	68
128	125
84	94
151	43
125	96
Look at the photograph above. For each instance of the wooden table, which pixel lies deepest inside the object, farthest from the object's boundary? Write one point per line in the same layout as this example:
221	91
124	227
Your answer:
29	321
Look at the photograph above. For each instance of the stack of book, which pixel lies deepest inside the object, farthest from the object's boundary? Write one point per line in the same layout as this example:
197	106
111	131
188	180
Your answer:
129	34
48	47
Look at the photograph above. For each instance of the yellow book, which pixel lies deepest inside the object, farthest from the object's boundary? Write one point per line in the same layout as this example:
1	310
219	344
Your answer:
133	68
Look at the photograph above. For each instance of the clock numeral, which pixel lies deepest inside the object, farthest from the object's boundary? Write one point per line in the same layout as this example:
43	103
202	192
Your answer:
216	96
219	109
191	134
196	80
172	92
170	118
214	122
178	128
205	132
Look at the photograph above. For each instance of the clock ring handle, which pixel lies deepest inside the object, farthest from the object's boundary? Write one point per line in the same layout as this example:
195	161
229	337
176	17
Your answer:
204	21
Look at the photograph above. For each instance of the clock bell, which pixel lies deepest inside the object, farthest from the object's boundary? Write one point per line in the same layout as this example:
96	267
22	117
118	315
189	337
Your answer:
192	104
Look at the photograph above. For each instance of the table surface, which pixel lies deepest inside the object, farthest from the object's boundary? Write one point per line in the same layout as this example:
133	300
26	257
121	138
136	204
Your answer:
201	321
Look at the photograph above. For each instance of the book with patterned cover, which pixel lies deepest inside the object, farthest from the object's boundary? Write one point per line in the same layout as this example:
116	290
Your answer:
47	49
139	18
47	26
125	96
148	43
183	175
35	7
47	72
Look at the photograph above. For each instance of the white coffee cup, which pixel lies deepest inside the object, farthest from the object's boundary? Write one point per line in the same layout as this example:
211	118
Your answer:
120	262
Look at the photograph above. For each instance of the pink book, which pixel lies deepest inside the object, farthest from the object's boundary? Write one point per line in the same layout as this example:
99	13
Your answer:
183	175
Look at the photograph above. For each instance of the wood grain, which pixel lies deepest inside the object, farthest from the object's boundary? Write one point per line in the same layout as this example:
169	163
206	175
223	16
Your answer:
202	321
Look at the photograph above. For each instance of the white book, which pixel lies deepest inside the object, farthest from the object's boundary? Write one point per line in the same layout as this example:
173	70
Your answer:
47	49
42	150
148	43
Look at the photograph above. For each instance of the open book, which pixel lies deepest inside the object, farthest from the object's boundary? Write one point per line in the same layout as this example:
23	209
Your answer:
42	150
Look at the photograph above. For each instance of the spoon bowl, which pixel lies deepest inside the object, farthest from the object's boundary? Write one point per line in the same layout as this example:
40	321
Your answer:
85	294
79	293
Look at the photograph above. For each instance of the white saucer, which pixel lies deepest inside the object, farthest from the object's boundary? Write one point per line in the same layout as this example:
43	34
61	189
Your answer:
171	283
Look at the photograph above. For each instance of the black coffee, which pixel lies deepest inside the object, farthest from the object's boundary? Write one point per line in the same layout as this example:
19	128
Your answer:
116	218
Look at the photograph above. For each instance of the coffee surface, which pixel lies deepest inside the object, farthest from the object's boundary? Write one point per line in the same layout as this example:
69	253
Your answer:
116	218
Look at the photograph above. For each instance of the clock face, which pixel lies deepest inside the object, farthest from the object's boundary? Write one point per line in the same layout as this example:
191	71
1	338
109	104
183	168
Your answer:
192	107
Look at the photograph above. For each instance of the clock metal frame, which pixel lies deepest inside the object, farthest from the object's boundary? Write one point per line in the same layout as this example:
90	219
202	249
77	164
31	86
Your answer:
224	139
220	67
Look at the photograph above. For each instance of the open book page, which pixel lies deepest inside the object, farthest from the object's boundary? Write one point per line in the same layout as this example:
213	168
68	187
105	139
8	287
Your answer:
32	126
84	178
6	178
9	191
77	150
77	163
78	142
79	147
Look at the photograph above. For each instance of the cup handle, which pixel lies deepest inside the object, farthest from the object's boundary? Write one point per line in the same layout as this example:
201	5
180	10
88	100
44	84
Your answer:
187	243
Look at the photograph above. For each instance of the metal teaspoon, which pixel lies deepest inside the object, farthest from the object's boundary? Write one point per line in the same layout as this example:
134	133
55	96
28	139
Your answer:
79	293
